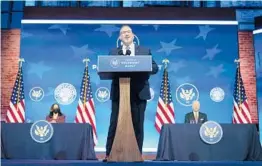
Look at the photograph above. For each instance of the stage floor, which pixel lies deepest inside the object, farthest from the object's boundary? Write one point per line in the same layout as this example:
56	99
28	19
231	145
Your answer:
145	163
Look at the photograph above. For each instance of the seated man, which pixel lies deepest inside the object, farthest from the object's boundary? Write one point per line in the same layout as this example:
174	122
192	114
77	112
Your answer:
55	115
195	116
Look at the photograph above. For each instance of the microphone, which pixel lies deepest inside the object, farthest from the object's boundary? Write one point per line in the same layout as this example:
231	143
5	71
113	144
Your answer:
120	52
128	52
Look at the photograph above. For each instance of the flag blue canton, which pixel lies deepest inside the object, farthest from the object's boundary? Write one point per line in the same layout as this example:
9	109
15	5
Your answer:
165	92
86	92
18	89
239	90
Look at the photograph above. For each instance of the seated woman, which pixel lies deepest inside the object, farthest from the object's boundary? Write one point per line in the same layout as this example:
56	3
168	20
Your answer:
55	115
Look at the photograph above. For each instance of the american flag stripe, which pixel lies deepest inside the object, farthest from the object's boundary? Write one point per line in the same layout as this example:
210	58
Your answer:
21	110
91	117
241	111
243	115
13	112
89	114
168	109
158	123
162	111
162	114
85	112
165	109
11	117
82	112
161	117
16	110
79	116
16	113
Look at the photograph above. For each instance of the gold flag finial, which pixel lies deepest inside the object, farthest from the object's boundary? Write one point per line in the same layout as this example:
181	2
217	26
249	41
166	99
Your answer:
20	61
86	60
165	61
237	61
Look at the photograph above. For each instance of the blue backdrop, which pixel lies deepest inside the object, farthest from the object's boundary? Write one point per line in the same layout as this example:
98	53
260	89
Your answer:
258	53
201	63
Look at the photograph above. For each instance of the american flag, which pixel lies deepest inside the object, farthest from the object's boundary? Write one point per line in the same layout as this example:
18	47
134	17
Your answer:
85	110
165	108
241	112
16	109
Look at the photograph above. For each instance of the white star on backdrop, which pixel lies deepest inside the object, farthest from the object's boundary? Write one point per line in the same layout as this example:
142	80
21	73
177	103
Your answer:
81	52
168	47
108	29
26	34
203	31
211	53
50	91
62	27
155	26
215	71
175	66
38	68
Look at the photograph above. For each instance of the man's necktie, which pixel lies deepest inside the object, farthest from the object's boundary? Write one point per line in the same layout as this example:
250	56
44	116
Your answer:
196	117
128	52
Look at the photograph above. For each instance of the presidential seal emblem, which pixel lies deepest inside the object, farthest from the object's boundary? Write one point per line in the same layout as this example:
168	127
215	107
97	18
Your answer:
217	94
152	94
211	132
65	93
41	131
102	94
186	93
36	94
114	63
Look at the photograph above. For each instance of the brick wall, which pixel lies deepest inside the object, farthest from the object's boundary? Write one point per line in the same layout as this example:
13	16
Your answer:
10	51
247	66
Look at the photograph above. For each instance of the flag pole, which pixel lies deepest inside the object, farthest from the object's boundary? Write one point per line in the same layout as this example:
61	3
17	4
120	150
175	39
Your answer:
86	60
20	63
237	61
165	61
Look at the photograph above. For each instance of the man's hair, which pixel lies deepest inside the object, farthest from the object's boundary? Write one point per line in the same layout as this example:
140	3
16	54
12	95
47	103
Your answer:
125	25
196	101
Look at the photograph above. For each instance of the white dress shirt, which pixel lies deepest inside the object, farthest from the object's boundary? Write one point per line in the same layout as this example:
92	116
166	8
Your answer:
196	115
131	47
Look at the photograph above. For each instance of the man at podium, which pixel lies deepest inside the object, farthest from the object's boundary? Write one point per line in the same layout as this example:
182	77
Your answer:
139	90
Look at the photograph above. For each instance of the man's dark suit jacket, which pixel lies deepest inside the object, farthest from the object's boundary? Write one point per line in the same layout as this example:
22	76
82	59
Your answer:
189	118
139	85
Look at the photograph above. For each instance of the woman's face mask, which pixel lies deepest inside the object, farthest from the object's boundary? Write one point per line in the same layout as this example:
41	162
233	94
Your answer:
55	111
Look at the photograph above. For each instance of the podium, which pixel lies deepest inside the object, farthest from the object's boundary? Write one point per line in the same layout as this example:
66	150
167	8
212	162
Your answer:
125	147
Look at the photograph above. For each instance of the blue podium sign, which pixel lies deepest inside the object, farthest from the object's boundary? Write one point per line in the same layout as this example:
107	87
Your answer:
110	65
